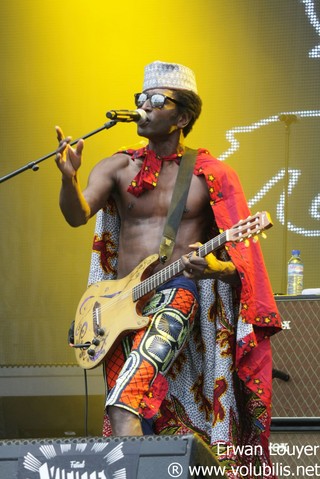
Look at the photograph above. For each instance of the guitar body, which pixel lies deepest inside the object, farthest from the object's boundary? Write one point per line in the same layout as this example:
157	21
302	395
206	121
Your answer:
107	312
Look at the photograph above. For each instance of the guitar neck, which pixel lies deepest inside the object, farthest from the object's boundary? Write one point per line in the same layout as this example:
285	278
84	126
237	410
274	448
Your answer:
175	268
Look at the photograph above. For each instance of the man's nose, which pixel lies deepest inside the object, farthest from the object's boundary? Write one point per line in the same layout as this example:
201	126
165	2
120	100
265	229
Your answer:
147	105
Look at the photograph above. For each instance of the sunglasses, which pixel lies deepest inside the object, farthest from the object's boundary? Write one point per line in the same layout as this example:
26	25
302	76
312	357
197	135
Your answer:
157	100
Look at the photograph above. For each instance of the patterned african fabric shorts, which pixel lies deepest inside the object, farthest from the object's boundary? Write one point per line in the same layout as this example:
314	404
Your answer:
135	374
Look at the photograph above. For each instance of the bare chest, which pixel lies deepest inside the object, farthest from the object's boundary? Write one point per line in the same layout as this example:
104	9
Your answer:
156	202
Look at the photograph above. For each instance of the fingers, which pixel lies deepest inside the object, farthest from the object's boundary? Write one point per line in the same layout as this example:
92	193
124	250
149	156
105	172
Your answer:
59	132
195	246
190	261
187	268
194	265
68	159
64	141
60	137
79	147
60	151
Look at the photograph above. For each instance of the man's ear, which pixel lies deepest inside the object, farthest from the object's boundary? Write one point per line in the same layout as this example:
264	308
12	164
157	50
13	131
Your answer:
183	119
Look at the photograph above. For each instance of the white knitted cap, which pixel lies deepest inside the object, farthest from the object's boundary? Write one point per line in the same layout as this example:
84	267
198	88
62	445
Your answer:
169	75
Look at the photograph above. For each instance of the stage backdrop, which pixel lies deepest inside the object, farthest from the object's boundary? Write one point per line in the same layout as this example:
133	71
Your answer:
68	63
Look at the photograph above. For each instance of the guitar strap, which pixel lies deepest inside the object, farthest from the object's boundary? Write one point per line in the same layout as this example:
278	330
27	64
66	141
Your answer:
178	202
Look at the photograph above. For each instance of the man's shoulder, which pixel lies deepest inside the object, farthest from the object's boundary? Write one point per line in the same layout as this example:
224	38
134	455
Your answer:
132	153
206	160
111	166
120	158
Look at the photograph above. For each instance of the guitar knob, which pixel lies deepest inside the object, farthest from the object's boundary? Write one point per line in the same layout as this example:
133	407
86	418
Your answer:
100	332
96	341
91	352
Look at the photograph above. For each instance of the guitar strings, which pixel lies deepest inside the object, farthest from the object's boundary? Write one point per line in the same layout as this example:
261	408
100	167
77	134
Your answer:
154	280
147	285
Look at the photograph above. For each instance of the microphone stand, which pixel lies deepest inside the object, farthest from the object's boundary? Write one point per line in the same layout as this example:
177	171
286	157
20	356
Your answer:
287	120
33	165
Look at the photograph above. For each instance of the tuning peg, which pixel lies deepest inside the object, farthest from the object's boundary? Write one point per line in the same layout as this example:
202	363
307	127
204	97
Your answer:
255	239
264	236
246	243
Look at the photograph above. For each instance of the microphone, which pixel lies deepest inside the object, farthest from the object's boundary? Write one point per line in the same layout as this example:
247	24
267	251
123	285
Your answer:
139	116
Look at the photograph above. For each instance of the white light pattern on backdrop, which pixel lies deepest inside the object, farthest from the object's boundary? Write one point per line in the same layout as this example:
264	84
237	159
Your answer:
235	144
313	18
293	175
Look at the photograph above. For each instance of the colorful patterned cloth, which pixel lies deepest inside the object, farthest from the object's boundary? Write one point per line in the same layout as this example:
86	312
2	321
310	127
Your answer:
147	178
135	372
220	386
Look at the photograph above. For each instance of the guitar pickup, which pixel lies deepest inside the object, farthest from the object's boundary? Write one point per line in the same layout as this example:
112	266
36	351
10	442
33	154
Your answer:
96	316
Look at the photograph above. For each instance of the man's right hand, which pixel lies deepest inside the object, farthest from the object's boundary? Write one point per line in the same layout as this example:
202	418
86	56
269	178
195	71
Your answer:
68	159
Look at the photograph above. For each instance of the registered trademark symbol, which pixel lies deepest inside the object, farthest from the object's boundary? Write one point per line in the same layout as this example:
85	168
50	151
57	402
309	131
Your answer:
175	469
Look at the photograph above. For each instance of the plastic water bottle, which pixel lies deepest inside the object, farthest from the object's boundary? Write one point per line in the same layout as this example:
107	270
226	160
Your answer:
295	274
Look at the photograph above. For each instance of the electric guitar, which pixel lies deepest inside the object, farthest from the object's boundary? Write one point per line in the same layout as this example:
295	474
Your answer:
110	309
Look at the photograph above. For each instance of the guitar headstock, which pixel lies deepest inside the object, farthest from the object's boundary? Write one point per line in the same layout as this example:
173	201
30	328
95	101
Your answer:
250	227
